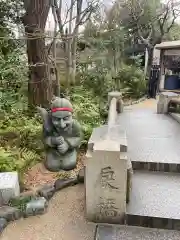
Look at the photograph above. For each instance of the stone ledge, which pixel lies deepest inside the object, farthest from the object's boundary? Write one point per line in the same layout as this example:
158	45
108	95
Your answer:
157	167
153	222
175	116
115	134
118	232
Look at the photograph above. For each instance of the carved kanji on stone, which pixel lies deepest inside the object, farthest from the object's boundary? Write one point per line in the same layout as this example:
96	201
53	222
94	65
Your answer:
107	178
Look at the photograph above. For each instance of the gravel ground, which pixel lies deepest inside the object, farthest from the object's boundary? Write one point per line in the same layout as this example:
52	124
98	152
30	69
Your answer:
64	220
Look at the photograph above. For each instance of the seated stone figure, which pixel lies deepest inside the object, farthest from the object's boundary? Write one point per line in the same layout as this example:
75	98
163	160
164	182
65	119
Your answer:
62	135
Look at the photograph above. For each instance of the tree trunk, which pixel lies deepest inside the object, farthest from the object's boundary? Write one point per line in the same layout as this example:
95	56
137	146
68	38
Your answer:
56	83
68	62
74	60
69	49
40	89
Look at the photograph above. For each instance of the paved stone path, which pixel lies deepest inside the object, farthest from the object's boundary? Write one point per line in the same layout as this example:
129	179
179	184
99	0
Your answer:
151	137
65	218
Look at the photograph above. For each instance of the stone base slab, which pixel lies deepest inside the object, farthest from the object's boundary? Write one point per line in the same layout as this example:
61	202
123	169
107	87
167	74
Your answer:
117	232
154	200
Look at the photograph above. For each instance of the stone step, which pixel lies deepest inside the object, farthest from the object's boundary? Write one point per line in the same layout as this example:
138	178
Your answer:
154	200
153	140
116	232
155	153
156	166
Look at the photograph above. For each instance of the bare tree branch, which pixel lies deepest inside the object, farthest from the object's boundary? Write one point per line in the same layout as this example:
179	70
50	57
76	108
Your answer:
67	12
165	18
70	38
175	15
58	10
83	16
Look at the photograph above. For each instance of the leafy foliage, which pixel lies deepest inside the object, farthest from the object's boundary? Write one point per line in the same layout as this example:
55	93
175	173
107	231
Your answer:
20	202
20	142
86	109
13	77
132	81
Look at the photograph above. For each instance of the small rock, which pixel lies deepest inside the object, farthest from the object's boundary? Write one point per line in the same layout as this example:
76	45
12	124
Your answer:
81	175
3	224
63	183
36	206
10	213
47	191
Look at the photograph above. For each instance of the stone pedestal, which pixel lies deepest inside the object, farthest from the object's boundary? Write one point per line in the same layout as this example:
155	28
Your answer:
119	103
106	179
164	99
9	186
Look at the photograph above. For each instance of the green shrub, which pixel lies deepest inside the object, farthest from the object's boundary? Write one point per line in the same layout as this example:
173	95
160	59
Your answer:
20	202
99	80
132	81
86	108
13	76
129	79
20	142
16	159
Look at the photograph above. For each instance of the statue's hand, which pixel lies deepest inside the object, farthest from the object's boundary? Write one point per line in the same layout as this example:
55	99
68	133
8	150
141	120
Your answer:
63	147
58	140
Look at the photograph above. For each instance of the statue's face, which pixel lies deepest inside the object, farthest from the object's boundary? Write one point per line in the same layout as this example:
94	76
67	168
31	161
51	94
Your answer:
62	120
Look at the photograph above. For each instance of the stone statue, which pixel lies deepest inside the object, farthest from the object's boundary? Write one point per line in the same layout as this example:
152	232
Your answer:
62	135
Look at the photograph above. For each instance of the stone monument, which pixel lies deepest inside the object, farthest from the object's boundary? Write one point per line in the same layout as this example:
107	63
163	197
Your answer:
62	135
106	176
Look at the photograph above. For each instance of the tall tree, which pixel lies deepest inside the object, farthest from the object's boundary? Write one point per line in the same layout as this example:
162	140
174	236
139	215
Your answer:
39	86
78	12
150	20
